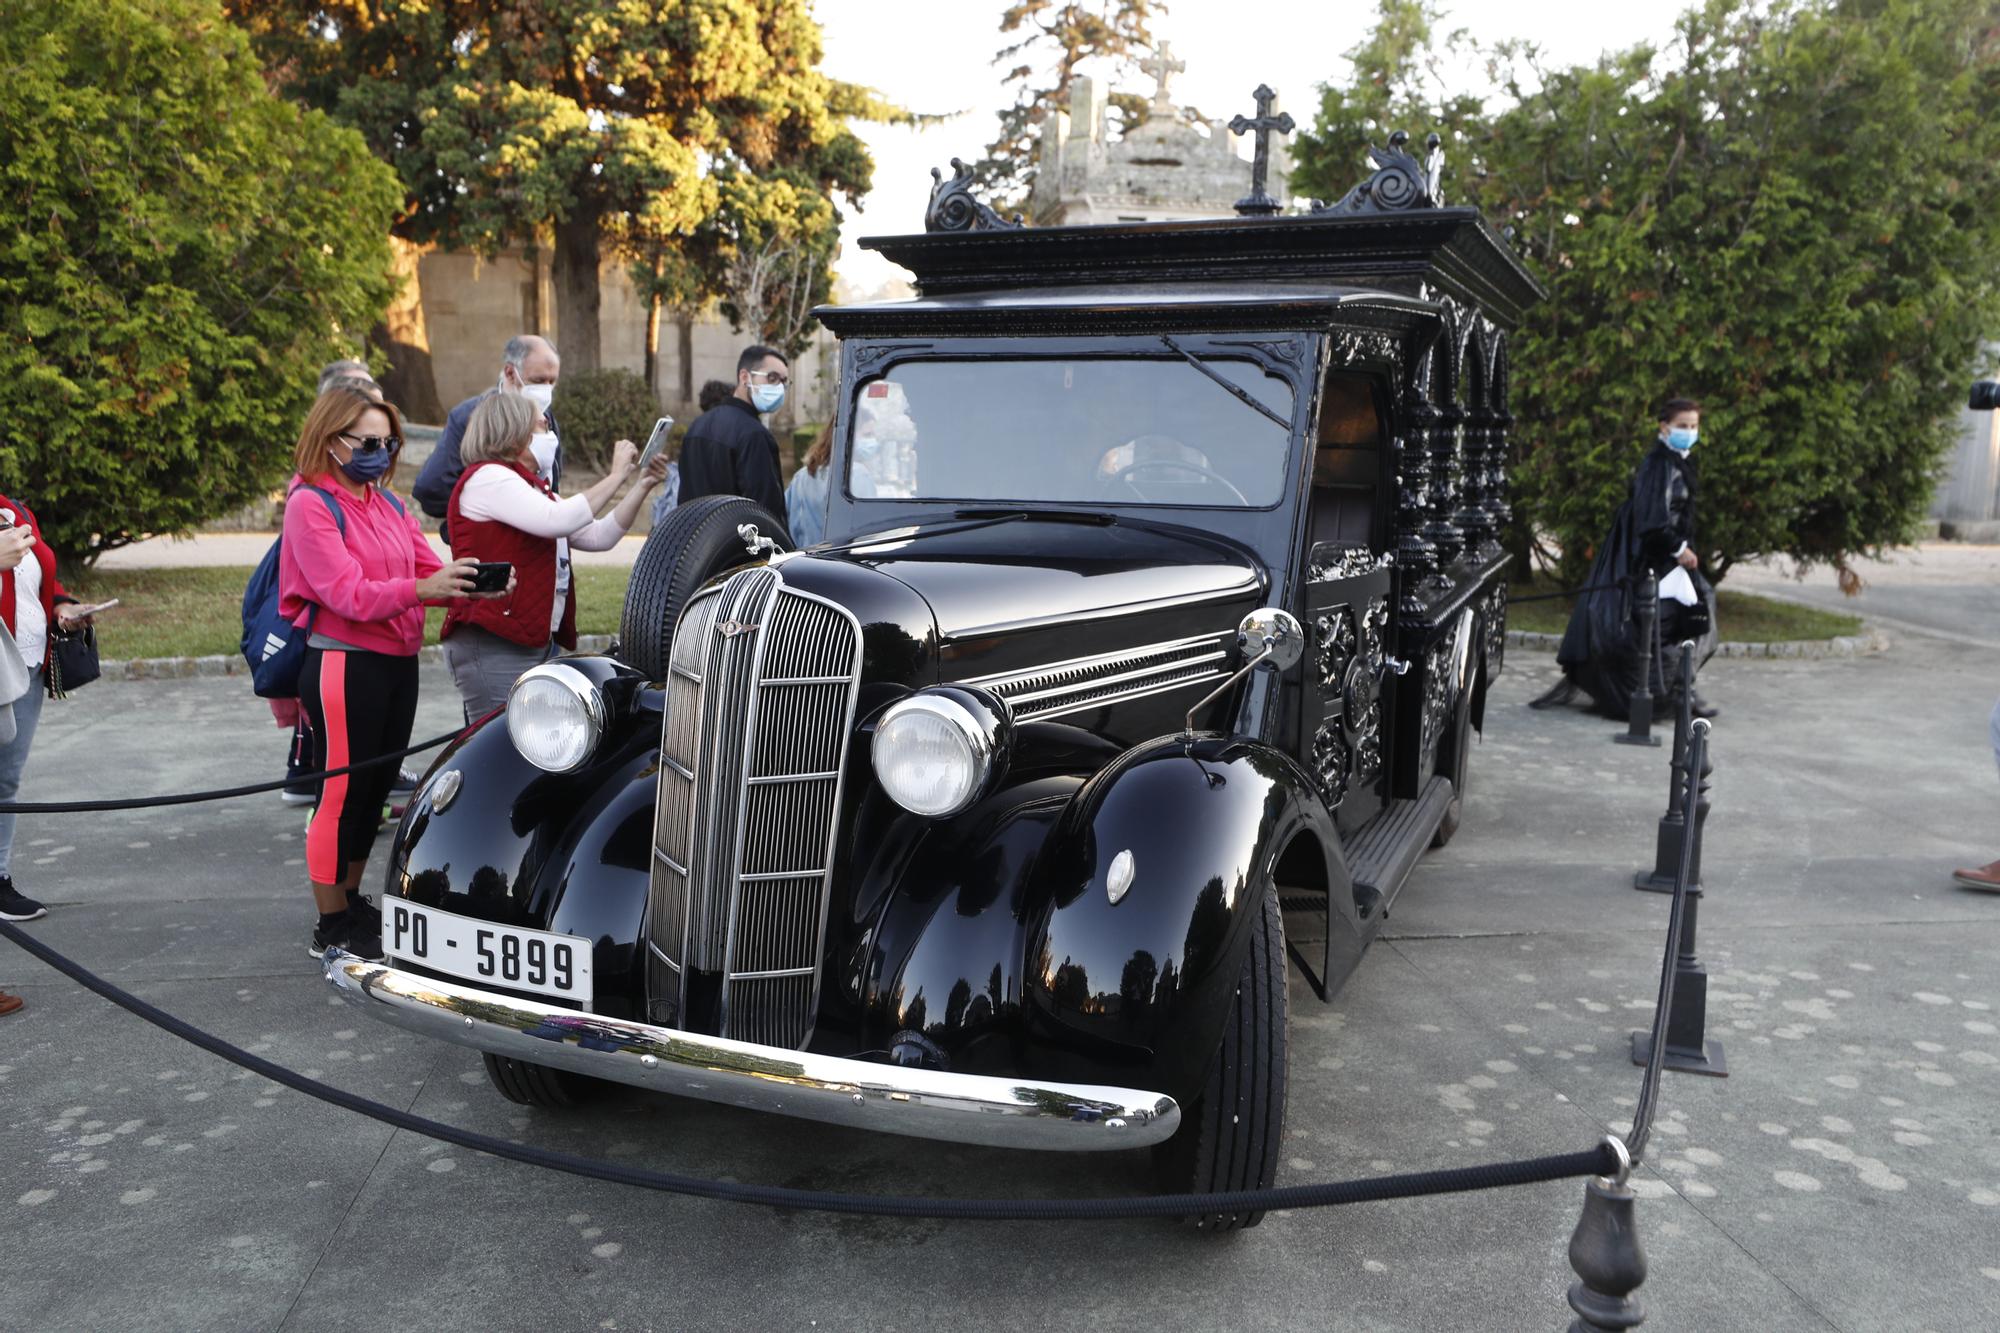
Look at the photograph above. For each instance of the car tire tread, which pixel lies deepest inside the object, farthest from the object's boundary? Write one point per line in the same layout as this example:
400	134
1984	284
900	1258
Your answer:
1238	1122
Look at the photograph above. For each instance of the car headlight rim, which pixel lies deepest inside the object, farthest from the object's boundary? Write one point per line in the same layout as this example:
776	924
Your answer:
565	687
980	741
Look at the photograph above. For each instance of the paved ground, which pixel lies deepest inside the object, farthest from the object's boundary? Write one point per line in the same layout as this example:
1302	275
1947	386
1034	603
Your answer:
1944	589
1846	1176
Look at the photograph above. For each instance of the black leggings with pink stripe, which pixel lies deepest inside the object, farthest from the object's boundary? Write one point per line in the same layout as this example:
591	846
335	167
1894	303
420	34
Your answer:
360	705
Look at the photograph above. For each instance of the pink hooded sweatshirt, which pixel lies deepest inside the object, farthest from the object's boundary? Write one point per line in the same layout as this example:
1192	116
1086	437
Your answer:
365	584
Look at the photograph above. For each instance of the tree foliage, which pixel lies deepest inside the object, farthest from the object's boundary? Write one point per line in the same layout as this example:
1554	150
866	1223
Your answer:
168	292
1048	41
602	123
598	408
1791	213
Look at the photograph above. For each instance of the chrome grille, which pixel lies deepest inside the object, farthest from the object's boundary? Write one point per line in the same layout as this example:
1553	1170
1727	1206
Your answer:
1092	682
760	703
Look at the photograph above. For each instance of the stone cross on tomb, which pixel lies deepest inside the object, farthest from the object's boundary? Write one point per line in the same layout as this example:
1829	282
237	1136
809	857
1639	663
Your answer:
1162	66
1257	202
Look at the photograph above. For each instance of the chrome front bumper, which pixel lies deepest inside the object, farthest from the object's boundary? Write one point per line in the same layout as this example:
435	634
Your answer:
925	1103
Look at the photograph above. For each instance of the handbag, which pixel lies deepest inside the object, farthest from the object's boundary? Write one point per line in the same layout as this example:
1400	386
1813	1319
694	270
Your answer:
72	660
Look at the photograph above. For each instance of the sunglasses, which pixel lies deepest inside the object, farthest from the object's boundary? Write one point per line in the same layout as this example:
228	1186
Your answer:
368	444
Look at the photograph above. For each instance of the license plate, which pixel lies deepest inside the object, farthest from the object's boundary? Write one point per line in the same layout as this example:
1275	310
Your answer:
538	961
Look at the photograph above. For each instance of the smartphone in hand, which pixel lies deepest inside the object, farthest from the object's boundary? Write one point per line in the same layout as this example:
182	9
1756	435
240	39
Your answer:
79	612
491	575
656	443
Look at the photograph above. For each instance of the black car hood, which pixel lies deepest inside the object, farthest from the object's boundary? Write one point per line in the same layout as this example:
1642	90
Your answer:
1018	592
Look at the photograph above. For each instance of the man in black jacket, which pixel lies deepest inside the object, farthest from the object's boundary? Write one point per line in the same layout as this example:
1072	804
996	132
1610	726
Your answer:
728	451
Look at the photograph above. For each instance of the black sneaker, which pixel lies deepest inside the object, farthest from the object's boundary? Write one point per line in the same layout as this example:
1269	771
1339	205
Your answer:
347	934
405	783
365	913
304	793
14	906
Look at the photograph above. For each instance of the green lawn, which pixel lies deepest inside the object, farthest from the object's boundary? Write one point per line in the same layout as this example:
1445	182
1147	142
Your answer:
198	612
1745	617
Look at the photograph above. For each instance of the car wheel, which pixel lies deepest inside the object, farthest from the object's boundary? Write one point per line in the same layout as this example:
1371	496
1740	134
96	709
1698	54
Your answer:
1458	767
535	1085
1230	1136
696	542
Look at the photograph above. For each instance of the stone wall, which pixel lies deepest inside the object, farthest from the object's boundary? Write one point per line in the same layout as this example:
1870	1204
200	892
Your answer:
471	305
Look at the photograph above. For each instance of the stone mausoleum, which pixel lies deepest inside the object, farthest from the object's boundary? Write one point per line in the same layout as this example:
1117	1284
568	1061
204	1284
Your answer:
1165	169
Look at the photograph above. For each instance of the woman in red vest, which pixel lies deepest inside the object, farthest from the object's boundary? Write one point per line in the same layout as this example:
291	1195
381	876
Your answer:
32	602
502	509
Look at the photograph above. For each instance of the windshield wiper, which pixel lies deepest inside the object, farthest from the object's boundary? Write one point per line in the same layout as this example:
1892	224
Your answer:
960	521
1236	389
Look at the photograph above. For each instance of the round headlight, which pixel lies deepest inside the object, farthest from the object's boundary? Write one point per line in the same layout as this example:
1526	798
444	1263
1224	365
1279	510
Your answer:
934	754
555	717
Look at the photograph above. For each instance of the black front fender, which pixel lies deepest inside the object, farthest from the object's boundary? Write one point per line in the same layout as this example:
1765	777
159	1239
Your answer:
567	852
1138	990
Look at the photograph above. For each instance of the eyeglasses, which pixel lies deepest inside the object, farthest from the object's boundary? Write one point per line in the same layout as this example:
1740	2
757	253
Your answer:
770	376
368	444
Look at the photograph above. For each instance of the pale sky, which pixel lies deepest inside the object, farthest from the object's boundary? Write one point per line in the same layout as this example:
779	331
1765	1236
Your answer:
936	56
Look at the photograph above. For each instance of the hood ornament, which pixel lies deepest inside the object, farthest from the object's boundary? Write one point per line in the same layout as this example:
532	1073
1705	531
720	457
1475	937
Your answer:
756	542
730	629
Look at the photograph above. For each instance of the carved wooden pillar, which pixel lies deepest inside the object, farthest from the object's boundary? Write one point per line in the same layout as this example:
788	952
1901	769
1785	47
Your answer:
1475	524
1439	529
1415	556
1498	506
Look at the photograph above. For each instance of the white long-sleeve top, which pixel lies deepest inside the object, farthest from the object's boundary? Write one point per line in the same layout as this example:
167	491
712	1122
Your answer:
502	495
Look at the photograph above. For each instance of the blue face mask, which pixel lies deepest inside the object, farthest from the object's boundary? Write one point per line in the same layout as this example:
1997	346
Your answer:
1681	438
367	465
766	397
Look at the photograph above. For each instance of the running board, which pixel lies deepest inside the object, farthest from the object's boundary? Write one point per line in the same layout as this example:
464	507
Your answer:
1380	856
1383	852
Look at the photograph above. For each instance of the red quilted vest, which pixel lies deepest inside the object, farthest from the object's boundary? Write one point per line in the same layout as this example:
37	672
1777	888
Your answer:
524	617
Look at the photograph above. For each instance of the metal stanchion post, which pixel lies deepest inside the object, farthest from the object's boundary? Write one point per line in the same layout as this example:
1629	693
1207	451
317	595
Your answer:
1667	846
1687	1047
1639	723
1606	1255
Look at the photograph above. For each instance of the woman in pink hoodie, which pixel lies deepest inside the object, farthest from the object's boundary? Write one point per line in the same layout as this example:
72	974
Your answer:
361	594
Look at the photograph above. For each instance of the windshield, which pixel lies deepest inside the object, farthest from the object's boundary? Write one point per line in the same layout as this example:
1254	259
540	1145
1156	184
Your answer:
1154	430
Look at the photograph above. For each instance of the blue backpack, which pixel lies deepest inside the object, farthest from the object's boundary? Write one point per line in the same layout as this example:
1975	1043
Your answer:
273	646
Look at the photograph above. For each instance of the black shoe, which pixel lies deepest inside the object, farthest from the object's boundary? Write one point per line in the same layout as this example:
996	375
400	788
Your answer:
303	793
365	913
14	906
1702	707
349	935
405	783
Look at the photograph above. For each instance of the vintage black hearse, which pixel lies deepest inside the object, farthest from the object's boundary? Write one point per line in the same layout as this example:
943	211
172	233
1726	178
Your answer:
1159	603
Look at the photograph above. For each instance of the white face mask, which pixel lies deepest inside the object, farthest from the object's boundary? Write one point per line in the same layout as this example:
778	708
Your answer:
541	395
543	446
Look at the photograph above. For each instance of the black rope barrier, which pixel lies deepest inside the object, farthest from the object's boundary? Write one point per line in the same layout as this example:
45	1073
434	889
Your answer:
1566	592
1600	1160
220	793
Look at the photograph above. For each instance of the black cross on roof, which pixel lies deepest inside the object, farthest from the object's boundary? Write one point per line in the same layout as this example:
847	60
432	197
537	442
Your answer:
1257	203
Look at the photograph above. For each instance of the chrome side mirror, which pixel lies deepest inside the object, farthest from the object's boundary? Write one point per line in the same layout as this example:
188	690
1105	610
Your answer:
1269	637
1273	637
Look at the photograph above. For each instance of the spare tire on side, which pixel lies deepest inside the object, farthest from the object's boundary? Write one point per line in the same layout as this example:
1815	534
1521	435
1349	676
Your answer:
697	541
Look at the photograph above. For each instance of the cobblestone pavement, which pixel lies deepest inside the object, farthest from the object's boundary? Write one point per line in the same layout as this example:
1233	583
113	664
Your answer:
1846	1175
